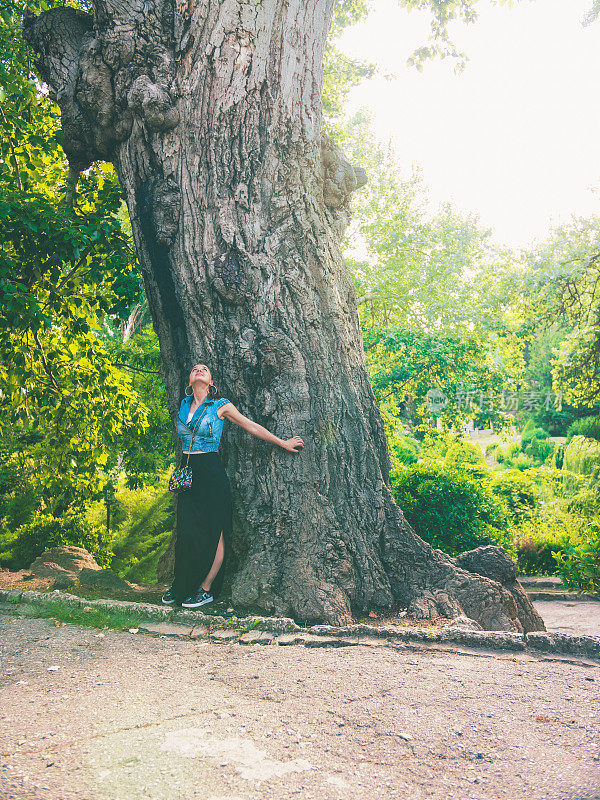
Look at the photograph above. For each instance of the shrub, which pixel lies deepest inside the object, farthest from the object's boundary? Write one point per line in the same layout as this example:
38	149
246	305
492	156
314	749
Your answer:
499	454
521	462
436	443
46	531
587	426
449	508
463	453
539	449
534	556
516	493
490	448
142	542
582	455
406	449
578	564
559	456
527	437
511	450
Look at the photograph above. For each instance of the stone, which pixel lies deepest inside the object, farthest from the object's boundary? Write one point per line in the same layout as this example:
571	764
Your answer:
224	636
495	563
327	641
102	579
564	643
491	562
495	640
290	638
63	562
257	637
464	623
165	629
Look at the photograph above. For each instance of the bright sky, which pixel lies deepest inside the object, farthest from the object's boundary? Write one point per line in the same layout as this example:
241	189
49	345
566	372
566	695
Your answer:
515	138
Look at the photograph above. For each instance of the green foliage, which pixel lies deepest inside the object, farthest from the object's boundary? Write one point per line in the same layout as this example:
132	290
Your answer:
539	449
138	550
578	564
68	280
529	434
406	450
533	556
582	456
450	509
586	426
462	454
521	462
141	530
45	531
516	493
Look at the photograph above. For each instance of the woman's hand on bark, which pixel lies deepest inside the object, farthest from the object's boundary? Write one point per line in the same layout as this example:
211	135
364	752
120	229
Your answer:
291	444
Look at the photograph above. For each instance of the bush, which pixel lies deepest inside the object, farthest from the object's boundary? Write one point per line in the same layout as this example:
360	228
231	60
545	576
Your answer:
533	556
436	443
511	450
582	456
448	508
406	449
539	449
46	531
462	454
499	454
527	437
521	462
516	493
587	426
559	456
578	564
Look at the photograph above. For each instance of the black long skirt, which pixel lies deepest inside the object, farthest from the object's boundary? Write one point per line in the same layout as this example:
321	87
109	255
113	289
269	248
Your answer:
203	512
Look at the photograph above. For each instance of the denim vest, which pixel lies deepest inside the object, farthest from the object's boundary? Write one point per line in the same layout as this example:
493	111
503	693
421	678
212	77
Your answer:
208	432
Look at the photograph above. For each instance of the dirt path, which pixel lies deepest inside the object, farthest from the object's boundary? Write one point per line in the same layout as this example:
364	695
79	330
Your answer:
128	716
575	617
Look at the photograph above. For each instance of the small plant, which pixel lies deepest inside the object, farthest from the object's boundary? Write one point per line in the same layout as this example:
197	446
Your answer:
578	564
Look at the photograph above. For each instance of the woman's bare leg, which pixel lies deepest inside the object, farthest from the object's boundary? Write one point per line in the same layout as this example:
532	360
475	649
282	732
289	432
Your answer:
219	555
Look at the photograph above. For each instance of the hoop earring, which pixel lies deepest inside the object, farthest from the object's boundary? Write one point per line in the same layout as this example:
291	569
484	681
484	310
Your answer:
213	387
186	391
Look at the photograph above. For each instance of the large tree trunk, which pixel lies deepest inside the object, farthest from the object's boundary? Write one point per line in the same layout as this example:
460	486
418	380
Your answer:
210	112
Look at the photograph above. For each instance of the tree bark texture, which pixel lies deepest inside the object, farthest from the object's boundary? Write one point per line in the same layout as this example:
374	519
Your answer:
210	111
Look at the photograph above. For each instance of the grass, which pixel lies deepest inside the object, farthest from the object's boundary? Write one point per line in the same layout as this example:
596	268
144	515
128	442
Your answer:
95	618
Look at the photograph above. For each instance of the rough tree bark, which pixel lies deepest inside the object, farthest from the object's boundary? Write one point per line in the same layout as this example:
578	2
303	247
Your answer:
210	111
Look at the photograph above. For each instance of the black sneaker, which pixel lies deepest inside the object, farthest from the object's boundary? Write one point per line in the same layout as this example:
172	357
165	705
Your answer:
198	599
168	598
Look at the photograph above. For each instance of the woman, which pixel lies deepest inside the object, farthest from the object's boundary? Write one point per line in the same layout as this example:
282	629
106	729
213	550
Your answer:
204	512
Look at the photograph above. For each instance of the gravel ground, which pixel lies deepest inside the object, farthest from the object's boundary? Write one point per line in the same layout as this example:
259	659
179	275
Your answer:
89	715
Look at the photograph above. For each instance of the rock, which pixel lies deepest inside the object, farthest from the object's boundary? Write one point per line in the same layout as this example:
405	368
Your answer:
102	579
495	563
464	623
165	629
64	563
491	562
225	636
257	637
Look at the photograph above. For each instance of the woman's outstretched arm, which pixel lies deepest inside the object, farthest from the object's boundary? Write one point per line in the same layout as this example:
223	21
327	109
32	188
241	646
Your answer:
232	414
